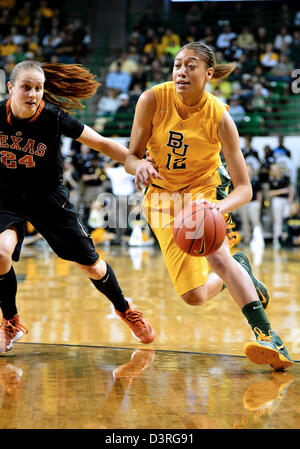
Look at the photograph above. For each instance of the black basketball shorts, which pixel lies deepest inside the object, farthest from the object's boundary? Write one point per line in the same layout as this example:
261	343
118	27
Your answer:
55	218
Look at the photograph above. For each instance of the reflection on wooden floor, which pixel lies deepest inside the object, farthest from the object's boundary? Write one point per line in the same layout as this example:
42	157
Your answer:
77	387
79	366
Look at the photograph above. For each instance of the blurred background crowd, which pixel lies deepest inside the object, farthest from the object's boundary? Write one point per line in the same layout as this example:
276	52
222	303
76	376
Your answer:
265	57
260	92
39	30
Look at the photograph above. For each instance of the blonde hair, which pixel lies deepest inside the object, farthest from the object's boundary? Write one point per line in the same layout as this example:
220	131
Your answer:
206	54
66	85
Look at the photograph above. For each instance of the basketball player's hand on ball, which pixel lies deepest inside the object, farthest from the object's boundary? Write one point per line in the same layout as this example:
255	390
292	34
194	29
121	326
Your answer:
145	172
211	205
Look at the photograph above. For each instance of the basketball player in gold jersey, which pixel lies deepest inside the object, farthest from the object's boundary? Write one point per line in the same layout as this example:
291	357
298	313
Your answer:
184	128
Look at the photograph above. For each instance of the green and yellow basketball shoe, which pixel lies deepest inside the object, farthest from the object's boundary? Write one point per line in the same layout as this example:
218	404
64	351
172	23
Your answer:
261	289
268	350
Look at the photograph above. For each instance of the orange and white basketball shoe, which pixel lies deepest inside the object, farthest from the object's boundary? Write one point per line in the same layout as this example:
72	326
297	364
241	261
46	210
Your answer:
10	331
140	328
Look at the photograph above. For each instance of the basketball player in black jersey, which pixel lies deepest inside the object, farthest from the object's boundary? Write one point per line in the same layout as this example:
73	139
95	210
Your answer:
32	122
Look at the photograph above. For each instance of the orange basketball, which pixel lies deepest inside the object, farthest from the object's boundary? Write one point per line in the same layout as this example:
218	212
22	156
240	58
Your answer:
199	229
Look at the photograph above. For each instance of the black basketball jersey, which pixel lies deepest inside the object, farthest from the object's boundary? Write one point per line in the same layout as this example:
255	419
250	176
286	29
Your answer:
280	183
30	149
256	187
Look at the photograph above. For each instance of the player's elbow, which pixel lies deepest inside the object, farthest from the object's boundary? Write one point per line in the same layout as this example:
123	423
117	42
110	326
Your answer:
249	192
246	193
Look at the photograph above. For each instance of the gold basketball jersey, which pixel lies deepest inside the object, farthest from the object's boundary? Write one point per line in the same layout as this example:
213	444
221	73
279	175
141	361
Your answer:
184	142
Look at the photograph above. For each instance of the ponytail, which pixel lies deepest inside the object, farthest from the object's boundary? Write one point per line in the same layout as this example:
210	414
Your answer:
223	70
67	84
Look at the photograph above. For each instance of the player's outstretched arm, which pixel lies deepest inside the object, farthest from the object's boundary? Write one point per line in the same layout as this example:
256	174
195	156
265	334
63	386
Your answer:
102	144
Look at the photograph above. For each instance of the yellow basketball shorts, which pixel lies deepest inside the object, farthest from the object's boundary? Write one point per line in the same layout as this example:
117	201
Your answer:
160	208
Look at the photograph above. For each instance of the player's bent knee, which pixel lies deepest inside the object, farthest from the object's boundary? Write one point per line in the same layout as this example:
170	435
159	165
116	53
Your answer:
95	271
217	262
5	262
195	298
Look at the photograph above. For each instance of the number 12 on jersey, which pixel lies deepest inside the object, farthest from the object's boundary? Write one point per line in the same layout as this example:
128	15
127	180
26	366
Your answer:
176	163
179	150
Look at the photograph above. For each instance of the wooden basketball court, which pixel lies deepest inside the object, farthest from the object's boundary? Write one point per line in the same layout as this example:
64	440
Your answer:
79	366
